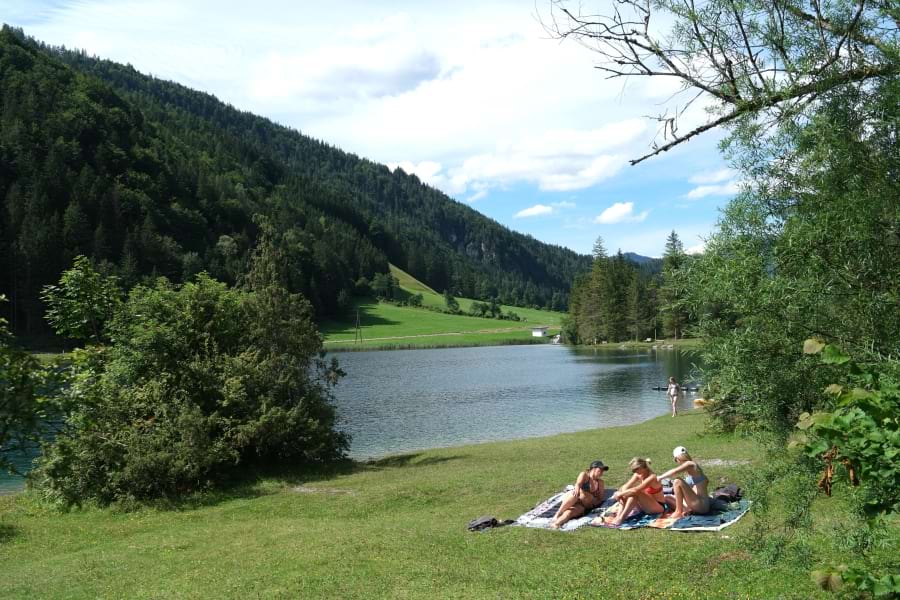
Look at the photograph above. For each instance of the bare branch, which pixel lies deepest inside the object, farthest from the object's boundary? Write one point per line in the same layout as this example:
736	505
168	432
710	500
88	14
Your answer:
751	57
753	106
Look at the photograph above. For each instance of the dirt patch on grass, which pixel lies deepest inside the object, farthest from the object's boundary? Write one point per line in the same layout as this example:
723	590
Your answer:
303	489
719	462
714	562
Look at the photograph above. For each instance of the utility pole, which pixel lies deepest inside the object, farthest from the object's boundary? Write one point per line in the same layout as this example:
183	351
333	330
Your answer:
357	336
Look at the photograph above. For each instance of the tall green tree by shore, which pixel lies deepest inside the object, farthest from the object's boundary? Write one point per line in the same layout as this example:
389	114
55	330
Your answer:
674	314
615	302
810	248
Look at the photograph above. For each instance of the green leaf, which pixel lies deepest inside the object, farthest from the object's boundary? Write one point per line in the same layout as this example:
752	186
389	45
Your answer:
860	394
833	355
812	346
816	448
834	389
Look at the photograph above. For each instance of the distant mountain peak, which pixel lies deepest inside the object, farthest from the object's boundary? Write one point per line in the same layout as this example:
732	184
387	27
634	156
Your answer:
638	258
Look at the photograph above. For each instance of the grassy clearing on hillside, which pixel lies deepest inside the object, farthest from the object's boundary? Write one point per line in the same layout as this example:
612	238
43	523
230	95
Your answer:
409	285
396	528
386	325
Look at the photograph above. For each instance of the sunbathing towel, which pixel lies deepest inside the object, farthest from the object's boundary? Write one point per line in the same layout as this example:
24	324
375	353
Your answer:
541	516
719	518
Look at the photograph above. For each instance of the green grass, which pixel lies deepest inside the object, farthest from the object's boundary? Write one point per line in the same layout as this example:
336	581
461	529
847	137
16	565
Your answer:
386	325
410	285
396	529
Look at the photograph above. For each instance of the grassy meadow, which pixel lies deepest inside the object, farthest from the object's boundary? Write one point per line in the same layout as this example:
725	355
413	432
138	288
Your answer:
386	325
396	528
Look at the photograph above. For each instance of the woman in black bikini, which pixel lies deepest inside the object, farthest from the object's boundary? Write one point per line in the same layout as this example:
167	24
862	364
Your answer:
588	494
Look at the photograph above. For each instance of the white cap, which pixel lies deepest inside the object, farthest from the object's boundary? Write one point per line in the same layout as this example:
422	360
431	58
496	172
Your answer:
678	451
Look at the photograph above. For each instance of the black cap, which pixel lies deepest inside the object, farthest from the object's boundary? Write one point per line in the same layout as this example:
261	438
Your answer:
598	464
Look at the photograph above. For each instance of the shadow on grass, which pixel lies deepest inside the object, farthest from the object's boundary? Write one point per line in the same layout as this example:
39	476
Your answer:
346	324
242	487
7	532
408	460
320	473
250	483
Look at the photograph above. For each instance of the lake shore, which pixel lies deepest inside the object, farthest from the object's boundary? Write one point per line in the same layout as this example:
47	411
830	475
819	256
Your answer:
395	527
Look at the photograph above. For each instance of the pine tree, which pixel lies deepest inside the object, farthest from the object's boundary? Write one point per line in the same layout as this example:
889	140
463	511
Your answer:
674	315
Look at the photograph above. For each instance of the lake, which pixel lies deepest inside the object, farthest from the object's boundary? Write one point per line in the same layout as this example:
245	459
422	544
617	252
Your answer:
398	401
404	400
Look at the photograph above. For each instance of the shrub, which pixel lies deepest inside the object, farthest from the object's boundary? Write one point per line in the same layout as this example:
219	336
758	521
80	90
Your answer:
22	381
198	381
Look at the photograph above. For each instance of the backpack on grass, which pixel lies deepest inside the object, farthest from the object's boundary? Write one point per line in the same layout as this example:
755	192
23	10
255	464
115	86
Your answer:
486	522
728	493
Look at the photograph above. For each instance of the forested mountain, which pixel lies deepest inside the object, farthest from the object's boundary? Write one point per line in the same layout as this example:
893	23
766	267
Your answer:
148	177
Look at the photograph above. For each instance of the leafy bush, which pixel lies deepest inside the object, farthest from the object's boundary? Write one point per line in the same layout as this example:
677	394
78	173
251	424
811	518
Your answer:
860	436
80	306
21	408
198	381
862	429
451	302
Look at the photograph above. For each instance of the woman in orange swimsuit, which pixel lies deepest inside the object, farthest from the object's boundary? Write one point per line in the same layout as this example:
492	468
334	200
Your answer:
642	491
588	494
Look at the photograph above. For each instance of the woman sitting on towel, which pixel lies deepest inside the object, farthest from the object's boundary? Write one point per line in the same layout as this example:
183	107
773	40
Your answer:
643	491
588	494
691	494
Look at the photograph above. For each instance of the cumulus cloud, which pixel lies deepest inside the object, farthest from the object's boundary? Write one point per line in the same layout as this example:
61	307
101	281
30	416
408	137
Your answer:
721	182
698	249
726	189
620	212
542	209
350	72
717	176
555	160
534	211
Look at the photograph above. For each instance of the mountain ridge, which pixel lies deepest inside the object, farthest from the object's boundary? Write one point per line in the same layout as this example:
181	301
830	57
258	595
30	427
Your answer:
149	177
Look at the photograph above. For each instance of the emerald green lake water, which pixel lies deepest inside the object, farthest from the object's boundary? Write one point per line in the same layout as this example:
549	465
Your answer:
405	400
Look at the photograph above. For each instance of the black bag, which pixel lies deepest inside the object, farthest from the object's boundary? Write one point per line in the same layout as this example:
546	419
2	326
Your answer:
728	493
486	522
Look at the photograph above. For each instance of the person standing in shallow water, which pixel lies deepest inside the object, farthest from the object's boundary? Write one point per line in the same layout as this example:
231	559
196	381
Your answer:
672	392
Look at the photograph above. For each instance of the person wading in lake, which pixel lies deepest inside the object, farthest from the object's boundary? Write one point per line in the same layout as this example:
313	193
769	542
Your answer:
588	494
672	392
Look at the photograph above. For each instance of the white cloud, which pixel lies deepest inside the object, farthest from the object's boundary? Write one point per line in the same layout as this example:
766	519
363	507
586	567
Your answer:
717	176
726	189
321	77
542	209
476	196
698	249
620	212
534	211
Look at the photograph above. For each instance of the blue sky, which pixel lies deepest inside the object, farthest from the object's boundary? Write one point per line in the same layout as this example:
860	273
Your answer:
473	97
